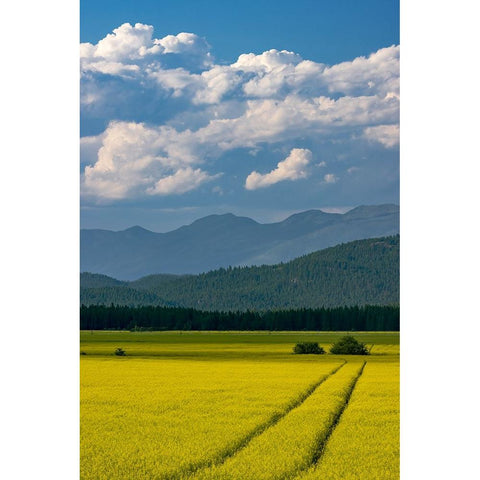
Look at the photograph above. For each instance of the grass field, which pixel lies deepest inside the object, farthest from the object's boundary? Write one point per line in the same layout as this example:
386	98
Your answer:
223	344
236	405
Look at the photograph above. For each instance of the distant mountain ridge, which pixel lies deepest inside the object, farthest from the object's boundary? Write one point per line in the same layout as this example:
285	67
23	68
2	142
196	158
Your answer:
363	272
225	240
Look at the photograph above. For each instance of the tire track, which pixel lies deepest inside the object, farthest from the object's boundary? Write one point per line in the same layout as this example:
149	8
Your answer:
222	457
320	449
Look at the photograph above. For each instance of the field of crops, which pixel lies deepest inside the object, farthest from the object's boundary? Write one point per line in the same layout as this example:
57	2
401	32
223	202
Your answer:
237	406
224	344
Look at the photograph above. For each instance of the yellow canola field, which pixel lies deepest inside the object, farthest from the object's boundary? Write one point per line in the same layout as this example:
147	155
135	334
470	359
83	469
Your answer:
365	444
385	350
289	446
157	418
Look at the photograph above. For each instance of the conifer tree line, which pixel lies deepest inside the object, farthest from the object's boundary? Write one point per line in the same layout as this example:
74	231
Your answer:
155	318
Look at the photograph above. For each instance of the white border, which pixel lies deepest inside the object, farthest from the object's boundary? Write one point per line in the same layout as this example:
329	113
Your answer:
39	241
439	255
439	216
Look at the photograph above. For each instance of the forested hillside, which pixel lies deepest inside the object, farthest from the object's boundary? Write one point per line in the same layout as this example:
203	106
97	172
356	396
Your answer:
122	295
97	280
364	272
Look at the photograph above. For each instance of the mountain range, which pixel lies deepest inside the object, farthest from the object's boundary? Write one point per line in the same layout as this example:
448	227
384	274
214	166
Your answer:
226	240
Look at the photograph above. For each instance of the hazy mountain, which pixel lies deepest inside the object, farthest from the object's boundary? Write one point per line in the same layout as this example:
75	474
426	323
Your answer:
363	272
227	240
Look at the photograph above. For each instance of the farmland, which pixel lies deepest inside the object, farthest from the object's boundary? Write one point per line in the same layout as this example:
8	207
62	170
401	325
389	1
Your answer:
237	405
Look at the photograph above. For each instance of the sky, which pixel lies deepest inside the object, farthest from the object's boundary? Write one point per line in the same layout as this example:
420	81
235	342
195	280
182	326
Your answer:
262	109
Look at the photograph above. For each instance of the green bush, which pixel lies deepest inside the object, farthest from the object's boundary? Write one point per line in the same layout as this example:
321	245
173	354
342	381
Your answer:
120	352
308	347
349	345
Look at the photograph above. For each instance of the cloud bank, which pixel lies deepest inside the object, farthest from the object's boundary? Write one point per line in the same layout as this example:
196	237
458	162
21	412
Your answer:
172	114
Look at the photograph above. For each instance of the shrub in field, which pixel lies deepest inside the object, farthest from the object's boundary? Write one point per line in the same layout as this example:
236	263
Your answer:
120	352
349	345
308	347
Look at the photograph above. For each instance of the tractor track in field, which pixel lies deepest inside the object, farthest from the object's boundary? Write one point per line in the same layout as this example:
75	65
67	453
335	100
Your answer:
322	444
191	470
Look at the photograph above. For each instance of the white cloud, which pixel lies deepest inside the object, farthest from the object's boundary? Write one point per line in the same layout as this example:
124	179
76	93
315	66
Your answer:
198	110
215	83
133	48
112	68
266	61
330	178
178	80
378	74
183	180
271	121
387	135
132	161
129	151
184	43
89	147
272	74
127	42
292	168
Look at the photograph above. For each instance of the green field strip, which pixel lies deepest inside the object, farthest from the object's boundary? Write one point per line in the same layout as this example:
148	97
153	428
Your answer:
366	442
242	443
289	445
222	344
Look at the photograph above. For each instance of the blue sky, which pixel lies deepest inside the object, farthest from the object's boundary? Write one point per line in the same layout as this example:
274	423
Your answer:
257	108
320	30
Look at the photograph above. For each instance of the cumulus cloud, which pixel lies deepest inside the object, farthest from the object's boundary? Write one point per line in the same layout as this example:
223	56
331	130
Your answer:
292	168
387	135
125	43
170	110
129	149
215	83
378	73
133	48
184	43
330	178
278	73
183	180
134	160
132	51
266	61
177	80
